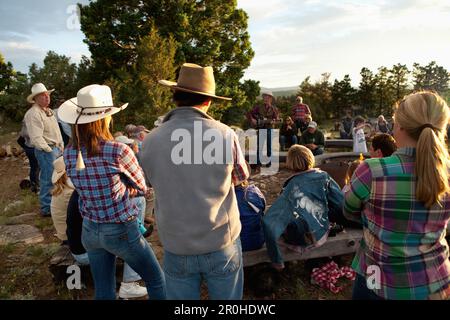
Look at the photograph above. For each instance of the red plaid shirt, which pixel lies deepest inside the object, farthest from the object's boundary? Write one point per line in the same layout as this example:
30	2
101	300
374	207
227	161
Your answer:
299	111
107	182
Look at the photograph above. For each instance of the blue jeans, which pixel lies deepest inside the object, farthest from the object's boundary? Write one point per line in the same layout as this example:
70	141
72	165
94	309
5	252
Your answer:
104	241
129	275
45	160
222	271
360	290
317	151
291	141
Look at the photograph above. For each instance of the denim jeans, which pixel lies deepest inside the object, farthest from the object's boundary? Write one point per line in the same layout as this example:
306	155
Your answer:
291	141
105	241
222	271
129	275
45	160
82	259
360	290
317	151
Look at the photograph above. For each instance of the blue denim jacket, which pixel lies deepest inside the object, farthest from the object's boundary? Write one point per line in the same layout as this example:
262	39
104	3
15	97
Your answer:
311	196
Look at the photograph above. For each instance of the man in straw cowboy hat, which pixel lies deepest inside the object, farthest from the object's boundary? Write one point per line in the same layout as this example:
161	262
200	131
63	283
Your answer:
107	177
45	136
195	204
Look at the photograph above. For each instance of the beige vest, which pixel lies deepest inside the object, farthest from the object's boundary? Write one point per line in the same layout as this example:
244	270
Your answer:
195	204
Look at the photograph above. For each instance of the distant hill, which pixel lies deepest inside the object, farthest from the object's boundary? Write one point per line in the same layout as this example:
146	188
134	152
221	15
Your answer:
285	91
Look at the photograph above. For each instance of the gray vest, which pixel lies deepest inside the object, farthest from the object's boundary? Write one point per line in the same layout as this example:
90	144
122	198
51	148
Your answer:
195	204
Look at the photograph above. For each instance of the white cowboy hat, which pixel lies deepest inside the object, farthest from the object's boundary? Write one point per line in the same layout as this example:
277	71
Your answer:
267	93
195	79
59	168
36	89
92	103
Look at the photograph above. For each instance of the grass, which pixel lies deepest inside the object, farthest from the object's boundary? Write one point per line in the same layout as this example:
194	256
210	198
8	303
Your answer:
7	249
25	202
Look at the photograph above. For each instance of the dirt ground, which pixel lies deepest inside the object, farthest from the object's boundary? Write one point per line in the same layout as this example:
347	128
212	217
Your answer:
25	273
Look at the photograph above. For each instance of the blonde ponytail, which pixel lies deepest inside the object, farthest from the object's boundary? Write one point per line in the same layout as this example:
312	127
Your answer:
431	167
424	116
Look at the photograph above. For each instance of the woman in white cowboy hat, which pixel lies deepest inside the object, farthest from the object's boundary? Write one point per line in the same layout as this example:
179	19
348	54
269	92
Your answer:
46	139
106	175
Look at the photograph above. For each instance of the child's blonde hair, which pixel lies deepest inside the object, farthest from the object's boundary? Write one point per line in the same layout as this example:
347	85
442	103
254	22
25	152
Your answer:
299	158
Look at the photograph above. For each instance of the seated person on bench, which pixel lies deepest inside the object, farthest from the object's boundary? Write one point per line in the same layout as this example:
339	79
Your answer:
310	199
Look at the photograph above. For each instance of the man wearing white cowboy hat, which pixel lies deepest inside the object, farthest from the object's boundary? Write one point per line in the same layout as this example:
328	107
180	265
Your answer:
107	178
195	204
46	138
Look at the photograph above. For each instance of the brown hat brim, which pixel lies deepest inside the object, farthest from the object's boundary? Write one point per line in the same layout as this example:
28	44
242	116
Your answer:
174	86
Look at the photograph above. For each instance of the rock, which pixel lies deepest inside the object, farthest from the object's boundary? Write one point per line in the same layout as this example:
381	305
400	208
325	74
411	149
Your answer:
20	233
26	217
9	152
2	152
13	205
17	151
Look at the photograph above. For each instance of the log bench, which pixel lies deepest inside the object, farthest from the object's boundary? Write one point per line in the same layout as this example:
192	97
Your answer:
343	243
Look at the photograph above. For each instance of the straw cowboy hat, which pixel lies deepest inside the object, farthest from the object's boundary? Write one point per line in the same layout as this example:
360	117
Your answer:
59	168
195	79
36	89
92	103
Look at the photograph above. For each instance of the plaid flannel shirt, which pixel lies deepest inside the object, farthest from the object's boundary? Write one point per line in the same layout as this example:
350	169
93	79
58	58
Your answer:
400	236
107	182
240	171
299	111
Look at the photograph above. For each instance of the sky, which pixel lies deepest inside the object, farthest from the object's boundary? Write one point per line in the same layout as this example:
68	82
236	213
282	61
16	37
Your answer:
292	39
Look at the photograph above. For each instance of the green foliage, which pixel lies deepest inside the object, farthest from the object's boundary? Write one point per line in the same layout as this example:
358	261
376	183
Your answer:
139	84
6	74
318	96
209	32
13	103
431	77
57	73
244	98
343	95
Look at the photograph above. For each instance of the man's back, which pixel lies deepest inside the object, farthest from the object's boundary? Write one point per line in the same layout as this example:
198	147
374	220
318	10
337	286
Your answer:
195	204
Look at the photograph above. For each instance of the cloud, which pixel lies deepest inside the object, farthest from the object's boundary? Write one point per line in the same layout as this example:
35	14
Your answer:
301	38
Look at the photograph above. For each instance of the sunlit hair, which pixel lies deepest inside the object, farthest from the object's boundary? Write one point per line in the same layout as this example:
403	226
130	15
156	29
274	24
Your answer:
299	158
351	169
91	134
424	117
59	186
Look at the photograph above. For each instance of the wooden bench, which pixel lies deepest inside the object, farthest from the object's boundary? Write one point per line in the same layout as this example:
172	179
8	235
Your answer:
343	243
